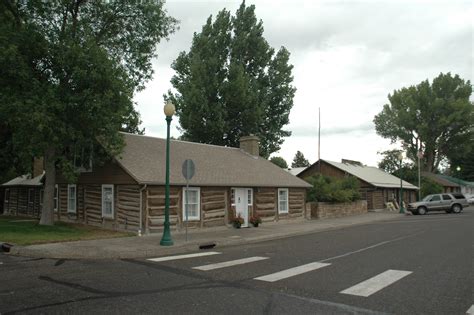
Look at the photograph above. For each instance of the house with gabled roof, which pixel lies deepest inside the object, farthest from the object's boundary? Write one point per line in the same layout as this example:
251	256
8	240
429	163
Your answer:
128	193
376	186
23	195
448	185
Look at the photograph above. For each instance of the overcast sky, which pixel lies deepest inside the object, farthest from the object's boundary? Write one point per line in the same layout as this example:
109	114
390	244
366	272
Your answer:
347	56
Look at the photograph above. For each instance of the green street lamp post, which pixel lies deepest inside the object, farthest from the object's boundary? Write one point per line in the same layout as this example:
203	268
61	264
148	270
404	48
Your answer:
166	240
400	157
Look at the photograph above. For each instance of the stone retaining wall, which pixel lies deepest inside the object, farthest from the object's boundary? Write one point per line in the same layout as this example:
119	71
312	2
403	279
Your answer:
326	210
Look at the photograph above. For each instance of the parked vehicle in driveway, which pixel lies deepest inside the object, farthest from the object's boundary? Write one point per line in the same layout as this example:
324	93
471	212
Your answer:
449	202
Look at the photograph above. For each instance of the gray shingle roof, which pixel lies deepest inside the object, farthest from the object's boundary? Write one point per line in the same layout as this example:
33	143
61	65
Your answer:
25	180
296	170
144	159
372	175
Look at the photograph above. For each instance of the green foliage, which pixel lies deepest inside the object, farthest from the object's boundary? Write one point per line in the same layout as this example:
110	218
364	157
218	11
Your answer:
390	162
436	118
299	160
17	231
232	84
430	187
329	189
279	161
68	72
464	159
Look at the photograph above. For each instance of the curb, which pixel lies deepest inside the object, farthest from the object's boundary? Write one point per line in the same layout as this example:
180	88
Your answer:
181	248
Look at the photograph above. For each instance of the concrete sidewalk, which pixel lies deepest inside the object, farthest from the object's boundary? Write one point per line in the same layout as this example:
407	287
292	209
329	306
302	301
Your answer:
149	245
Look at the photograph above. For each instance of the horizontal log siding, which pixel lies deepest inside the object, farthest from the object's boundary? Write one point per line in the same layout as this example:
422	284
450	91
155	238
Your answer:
265	201
128	207
93	204
155	207
296	202
19	204
213	206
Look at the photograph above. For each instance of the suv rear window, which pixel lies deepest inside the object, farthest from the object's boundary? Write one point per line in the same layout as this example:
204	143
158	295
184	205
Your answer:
458	196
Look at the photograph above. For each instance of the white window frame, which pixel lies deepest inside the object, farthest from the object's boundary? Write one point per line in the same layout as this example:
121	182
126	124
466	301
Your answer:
31	195
280	211
108	215
232	192
41	198
7	193
192	218
71	209
232	197
249	202
56	198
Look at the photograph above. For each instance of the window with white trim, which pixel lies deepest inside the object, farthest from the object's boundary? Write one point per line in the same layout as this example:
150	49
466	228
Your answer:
7	195
193	203
31	196
41	198
71	198
232	197
56	194
283	200
108	201
249	197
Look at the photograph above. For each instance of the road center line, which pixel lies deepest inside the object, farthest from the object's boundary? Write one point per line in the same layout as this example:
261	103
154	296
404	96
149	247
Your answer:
167	258
371	246
230	263
377	283
470	311
292	272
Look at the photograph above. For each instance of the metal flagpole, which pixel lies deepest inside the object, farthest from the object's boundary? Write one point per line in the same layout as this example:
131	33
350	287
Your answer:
319	139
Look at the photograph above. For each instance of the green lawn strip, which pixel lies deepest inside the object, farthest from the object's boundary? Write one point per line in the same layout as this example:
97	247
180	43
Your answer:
23	231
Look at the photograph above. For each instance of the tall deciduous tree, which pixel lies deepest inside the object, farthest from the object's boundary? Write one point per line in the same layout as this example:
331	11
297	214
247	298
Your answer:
279	161
299	160
69	69
435	118
232	83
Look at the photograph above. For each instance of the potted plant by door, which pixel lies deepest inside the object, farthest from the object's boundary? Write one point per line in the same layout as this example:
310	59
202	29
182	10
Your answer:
237	221
255	220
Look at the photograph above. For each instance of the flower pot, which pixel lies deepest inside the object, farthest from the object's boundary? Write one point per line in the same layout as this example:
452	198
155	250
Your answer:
237	225
255	224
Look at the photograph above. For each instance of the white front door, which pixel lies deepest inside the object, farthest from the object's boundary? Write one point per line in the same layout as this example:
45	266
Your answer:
241	205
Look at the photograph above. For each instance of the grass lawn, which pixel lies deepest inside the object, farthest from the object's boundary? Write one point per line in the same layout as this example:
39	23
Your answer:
27	231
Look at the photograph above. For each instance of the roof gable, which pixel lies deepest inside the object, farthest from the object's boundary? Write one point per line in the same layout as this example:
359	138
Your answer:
144	159
369	174
26	180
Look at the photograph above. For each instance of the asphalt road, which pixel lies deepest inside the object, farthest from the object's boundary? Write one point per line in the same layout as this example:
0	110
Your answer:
411	265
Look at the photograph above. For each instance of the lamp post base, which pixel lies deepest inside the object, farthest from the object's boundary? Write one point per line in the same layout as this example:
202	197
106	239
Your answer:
164	242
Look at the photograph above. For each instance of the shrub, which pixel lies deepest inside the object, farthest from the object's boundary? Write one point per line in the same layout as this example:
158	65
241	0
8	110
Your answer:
329	189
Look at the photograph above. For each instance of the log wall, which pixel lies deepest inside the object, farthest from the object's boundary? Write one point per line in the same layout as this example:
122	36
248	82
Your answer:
155	207
214	205
266	203
128	207
19	204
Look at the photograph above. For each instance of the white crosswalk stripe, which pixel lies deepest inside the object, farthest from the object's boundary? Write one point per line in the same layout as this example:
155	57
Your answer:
292	272
168	258
230	263
470	311
377	283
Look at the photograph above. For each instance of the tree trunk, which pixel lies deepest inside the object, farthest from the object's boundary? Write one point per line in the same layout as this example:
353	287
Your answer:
47	214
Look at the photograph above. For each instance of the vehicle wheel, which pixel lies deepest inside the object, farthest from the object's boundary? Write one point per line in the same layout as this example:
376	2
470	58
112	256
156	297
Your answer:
456	208
421	210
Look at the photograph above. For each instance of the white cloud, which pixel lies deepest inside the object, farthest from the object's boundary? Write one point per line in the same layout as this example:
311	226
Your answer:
347	56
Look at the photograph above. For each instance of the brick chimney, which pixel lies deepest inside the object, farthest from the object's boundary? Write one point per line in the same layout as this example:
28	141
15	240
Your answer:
38	166
250	145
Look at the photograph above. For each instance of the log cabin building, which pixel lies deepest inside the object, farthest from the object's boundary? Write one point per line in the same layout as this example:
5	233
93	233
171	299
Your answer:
376	186
128	193
23	196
